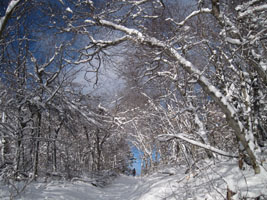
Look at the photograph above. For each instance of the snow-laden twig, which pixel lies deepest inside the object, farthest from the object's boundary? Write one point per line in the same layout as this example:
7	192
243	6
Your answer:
194	13
251	10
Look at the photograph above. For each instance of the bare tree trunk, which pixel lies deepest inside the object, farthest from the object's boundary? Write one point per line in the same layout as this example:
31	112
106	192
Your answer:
19	146
18	153
37	144
54	156
229	194
98	150
4	142
55	148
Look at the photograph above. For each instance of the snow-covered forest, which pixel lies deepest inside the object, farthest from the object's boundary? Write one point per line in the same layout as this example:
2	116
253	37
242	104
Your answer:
187	89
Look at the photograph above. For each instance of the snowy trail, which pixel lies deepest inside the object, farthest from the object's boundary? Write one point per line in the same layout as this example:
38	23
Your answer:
171	184
136	188
123	188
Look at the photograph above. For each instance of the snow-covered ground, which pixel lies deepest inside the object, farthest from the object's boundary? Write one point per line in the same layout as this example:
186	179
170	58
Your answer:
208	182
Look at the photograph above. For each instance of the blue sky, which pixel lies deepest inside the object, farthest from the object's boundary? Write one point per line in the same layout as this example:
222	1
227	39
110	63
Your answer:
137	163
137	155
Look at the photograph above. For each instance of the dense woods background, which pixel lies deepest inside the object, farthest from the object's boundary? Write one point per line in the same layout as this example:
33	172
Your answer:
194	84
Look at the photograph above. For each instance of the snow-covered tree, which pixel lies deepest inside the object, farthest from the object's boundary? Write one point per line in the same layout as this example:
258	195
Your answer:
187	65
231	55
44	113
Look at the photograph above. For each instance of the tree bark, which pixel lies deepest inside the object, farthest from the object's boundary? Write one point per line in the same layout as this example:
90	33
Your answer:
37	144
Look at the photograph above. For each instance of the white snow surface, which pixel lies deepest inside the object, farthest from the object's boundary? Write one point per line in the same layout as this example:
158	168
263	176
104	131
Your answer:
69	10
208	182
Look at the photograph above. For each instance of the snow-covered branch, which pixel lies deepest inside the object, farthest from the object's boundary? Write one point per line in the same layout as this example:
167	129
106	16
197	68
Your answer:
3	20
167	137
190	16
252	10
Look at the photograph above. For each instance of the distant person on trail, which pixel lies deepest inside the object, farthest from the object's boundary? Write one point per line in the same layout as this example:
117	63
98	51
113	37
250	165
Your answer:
134	172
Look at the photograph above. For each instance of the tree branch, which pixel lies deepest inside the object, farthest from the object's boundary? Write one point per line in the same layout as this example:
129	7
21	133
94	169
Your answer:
166	137
3	20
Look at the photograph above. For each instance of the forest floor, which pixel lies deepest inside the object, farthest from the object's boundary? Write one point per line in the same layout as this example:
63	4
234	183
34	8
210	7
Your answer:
209	182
